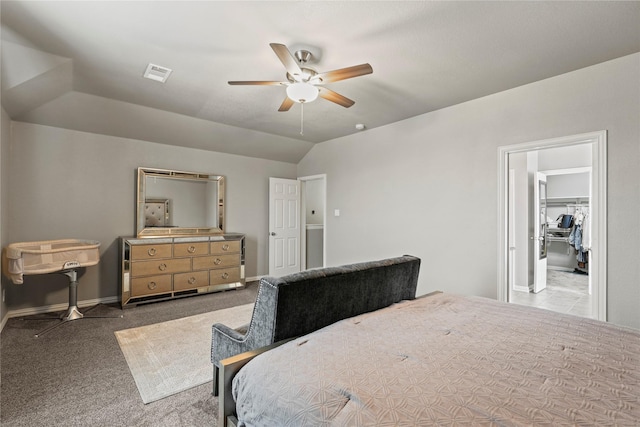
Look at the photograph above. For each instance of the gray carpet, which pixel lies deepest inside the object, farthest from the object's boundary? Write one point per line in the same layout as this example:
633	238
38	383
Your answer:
76	375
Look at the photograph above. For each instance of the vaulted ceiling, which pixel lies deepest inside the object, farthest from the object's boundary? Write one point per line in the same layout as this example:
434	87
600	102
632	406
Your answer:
79	65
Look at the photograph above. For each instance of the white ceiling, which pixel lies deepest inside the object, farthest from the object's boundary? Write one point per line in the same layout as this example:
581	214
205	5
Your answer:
79	64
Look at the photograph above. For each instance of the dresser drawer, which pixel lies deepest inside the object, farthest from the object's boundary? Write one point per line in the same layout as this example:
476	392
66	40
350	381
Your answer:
192	280
150	285
160	266
142	252
190	249
166	267
229	246
224	275
216	261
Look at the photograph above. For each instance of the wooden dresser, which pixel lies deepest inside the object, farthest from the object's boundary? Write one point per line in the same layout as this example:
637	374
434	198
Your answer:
169	267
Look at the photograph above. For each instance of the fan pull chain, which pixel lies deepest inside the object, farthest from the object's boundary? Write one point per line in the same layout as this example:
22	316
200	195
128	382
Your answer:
302	118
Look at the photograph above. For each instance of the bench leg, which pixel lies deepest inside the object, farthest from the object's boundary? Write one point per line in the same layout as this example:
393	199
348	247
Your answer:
216	376
72	312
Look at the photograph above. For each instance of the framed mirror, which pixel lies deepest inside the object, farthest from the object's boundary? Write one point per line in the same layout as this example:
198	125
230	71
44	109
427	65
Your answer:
173	202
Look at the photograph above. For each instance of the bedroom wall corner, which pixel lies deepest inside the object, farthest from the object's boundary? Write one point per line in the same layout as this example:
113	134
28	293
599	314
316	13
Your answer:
5	141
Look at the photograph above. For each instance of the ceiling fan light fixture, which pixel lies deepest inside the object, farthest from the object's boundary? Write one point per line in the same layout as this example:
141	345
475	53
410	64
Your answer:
302	92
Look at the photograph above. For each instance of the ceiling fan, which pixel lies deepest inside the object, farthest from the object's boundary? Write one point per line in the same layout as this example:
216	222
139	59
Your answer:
304	84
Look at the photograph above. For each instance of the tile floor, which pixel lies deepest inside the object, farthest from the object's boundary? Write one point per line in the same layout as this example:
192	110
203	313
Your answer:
566	292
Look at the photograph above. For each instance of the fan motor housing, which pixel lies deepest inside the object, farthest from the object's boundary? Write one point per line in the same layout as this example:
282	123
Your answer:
307	74
303	56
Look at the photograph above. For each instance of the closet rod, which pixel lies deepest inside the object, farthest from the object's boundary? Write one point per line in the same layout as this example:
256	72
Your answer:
576	205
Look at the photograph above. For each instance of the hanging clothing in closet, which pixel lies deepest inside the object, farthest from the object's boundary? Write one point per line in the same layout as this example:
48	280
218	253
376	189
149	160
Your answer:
580	238
586	233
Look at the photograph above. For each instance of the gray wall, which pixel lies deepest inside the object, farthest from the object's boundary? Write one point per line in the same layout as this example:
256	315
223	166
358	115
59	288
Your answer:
575	156
5	136
427	186
569	185
314	201
314	247
69	184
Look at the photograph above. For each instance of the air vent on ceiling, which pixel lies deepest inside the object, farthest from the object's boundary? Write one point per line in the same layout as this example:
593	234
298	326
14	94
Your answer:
157	73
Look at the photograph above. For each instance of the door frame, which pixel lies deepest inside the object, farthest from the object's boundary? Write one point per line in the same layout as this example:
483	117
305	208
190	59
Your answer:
598	205
539	234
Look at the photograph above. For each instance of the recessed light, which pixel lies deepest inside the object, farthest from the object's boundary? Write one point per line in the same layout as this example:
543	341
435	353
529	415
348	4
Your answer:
360	126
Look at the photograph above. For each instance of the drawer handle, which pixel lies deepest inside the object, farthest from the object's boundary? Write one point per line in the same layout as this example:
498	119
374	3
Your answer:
217	261
162	267
225	247
191	249
152	251
152	285
225	275
192	280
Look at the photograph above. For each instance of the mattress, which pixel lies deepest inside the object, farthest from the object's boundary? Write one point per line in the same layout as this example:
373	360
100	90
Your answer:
48	256
447	360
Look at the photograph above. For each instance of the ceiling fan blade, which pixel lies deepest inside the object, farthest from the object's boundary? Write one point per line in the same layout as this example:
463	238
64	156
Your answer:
286	58
345	73
332	96
258	83
286	104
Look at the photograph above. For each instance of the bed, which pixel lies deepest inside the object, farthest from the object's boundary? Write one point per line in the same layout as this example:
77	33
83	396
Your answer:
442	359
297	304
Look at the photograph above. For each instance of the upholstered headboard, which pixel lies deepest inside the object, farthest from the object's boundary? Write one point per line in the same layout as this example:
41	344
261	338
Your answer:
301	303
313	299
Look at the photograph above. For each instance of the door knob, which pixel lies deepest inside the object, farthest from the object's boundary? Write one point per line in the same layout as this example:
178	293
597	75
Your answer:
272	233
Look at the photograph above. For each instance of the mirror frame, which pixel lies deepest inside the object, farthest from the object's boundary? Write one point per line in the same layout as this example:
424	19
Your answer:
142	231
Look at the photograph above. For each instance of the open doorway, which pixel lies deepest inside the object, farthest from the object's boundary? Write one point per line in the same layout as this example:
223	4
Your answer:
541	262
313	212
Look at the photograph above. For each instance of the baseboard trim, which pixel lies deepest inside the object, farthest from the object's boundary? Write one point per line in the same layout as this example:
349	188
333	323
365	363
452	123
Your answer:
56	307
63	306
4	321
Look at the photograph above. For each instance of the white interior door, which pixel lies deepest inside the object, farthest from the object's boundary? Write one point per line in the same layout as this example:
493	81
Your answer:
540	233
284	226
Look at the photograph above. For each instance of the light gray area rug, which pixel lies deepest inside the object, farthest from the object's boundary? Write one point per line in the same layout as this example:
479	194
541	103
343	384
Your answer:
169	357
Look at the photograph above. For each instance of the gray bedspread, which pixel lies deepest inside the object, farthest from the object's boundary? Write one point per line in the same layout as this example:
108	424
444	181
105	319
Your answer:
447	360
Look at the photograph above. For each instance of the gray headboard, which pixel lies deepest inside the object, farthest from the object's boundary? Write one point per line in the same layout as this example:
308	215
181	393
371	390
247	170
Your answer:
301	303
313	299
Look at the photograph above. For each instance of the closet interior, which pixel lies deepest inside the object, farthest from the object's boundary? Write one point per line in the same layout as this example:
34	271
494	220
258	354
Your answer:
568	236
568	222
